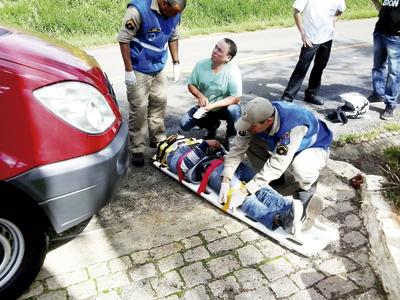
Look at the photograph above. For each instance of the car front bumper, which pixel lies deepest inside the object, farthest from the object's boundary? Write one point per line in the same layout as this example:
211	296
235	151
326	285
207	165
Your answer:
72	191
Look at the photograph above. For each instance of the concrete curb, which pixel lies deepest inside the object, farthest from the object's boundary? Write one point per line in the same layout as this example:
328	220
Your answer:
381	224
384	234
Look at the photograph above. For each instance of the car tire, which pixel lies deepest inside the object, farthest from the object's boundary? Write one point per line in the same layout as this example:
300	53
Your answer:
23	246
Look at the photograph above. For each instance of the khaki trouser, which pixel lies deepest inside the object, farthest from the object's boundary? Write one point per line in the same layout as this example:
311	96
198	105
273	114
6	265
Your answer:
147	103
305	166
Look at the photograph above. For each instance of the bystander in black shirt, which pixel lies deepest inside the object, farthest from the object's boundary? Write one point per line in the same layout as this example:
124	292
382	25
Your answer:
389	18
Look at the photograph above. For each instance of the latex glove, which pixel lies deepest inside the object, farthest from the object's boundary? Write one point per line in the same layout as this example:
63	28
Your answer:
130	78
237	199
176	69
223	192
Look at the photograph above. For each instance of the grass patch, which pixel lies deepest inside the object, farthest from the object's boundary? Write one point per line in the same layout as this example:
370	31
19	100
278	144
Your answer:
391	189
89	23
355	138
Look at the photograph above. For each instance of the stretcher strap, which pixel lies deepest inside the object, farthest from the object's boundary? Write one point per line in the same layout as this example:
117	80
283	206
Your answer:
213	165
228	200
179	164
163	146
167	146
229	197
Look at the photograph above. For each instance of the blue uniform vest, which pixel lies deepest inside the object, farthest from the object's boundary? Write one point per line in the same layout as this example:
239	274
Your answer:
318	134
149	48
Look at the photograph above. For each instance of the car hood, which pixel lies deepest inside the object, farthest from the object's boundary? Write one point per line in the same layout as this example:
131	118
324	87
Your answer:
44	54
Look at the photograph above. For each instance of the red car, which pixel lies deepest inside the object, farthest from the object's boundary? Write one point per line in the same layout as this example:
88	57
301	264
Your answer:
63	148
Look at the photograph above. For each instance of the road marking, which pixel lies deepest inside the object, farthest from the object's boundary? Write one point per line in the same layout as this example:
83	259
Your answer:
255	59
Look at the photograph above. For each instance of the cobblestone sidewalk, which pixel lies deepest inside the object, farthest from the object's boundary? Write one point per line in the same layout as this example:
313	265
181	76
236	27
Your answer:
232	261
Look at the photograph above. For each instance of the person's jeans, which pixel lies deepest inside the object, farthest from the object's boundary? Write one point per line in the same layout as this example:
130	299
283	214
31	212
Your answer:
211	121
264	205
261	206
321	53
386	69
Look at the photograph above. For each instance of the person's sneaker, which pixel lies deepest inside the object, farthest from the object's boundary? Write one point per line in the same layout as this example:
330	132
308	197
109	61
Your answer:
375	98
388	113
313	209
286	98
291	218
137	159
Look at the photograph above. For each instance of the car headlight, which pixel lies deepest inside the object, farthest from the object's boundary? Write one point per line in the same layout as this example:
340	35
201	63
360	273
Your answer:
79	104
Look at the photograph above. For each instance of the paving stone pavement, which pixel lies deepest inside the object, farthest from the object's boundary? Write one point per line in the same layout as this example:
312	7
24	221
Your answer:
232	261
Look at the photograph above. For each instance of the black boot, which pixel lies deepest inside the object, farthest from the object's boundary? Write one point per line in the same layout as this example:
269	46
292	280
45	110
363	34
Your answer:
137	159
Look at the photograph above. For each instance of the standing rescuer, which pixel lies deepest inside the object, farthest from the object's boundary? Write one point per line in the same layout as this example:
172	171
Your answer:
275	136
149	27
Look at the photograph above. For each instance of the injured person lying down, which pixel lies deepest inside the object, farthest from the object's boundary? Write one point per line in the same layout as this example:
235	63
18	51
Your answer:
200	162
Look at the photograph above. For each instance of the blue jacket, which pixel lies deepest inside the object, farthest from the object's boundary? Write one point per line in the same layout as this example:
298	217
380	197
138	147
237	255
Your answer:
149	48
318	134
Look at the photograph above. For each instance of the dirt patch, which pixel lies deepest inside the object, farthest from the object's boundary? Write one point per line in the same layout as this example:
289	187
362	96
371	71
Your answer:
368	158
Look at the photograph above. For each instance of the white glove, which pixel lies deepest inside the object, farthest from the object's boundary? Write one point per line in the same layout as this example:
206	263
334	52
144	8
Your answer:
223	192
130	78
237	199
176	69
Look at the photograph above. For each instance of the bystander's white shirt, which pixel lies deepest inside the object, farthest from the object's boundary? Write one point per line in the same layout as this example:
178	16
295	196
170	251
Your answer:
318	18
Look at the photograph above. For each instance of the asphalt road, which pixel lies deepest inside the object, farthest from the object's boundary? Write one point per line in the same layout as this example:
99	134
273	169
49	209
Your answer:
266	59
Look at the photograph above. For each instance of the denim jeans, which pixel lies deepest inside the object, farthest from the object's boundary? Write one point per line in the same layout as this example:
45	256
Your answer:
264	205
211	121
321	53
386	69
261	206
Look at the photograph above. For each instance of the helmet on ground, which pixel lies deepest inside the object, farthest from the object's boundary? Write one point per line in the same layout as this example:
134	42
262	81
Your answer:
355	105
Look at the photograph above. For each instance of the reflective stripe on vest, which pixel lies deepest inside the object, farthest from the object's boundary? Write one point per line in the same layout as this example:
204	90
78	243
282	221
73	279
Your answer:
151	47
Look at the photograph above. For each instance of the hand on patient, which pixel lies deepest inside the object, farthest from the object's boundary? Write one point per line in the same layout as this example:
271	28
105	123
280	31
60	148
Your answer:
237	197
223	192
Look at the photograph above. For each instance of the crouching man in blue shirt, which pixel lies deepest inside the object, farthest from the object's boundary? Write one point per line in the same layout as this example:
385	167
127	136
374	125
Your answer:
277	136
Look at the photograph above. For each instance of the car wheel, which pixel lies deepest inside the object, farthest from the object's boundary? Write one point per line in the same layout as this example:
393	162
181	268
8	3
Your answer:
23	246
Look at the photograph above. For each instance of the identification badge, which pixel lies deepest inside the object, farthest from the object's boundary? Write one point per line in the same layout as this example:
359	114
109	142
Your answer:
130	24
